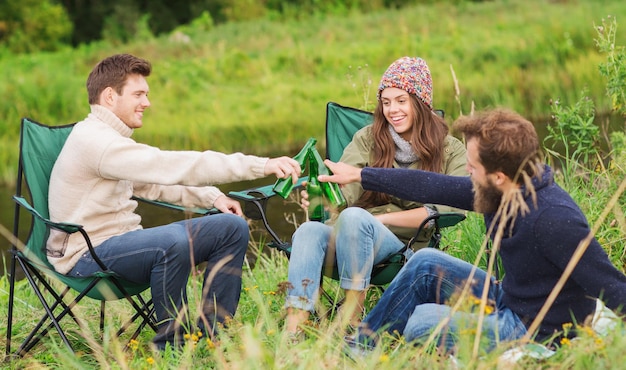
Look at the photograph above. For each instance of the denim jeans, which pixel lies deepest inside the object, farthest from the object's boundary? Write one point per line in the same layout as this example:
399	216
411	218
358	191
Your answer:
355	243
417	300
163	256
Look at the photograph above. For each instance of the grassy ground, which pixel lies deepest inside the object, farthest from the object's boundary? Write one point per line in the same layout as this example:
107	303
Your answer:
255	338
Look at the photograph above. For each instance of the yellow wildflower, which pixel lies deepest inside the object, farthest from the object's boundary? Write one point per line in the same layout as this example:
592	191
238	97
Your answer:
133	344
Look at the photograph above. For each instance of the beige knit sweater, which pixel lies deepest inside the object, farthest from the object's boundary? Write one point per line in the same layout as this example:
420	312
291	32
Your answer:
100	167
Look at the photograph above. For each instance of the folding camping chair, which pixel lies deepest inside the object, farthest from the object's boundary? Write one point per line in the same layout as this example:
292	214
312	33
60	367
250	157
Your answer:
39	148
341	124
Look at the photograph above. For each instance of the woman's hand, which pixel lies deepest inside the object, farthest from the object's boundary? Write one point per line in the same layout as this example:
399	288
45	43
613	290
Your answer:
304	197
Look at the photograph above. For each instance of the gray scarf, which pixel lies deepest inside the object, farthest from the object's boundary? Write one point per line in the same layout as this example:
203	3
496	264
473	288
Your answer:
404	151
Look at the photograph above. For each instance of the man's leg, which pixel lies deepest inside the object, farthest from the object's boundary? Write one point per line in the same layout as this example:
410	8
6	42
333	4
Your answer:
221	242
430	276
163	257
499	326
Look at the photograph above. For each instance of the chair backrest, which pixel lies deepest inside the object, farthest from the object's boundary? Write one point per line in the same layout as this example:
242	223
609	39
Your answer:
341	124
40	146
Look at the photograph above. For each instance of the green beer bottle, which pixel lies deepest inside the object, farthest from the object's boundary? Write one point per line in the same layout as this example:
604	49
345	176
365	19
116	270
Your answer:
330	190
283	187
316	195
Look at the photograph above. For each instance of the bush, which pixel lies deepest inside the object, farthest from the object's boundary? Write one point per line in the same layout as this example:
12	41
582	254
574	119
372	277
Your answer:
34	25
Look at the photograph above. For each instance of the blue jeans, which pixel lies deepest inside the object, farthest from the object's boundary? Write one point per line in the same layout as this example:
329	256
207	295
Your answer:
163	256
418	299
355	243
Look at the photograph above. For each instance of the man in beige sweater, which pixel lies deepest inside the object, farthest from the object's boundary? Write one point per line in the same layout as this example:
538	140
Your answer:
101	167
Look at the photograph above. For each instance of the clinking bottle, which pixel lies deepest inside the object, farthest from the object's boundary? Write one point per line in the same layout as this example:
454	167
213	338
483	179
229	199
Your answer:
315	193
283	187
330	190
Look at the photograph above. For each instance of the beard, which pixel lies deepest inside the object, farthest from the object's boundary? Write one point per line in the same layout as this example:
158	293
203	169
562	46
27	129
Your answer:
487	198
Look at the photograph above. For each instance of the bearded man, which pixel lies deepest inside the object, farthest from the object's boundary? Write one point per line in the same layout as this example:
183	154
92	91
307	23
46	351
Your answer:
533	223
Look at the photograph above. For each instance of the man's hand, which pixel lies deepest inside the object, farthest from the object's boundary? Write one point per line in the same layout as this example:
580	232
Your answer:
283	167
342	173
228	205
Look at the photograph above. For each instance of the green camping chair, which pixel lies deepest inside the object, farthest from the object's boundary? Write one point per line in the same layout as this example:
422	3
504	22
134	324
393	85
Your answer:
341	124
40	146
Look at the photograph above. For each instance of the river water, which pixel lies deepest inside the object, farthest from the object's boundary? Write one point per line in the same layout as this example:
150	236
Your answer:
279	211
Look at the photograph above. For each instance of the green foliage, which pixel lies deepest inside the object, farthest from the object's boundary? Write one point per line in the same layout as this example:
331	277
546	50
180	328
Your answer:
575	129
614	68
574	126
126	23
233	86
33	25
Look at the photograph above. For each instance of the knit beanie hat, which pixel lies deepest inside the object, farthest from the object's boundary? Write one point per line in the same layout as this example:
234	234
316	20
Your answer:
411	75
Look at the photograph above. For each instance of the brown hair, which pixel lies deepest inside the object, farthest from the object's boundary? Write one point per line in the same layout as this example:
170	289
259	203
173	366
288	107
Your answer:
113	72
427	139
507	142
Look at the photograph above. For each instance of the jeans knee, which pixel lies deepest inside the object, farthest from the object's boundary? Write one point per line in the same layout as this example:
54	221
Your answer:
425	258
311	237
353	218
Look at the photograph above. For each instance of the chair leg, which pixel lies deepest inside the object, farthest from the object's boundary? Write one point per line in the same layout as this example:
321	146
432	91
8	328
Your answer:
102	307
36	334
11	301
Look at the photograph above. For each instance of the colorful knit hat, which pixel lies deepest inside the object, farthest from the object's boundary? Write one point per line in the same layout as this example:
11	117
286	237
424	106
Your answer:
411	75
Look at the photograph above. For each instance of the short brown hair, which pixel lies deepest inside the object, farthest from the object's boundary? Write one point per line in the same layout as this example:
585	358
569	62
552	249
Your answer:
507	142
113	72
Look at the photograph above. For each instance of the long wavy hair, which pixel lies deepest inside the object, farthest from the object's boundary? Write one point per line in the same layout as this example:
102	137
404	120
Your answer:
427	139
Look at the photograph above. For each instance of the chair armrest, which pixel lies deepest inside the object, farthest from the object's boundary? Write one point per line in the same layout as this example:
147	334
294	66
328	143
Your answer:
255	202
447	219
196	210
442	220
67	227
261	192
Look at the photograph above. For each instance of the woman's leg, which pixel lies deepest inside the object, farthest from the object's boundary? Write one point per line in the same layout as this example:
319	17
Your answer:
361	242
309	250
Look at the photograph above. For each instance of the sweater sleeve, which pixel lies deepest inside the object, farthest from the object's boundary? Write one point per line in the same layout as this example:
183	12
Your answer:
187	196
420	186
454	165
147	164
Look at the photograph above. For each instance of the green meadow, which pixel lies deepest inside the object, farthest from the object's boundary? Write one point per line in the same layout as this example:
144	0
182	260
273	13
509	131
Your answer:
261	86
